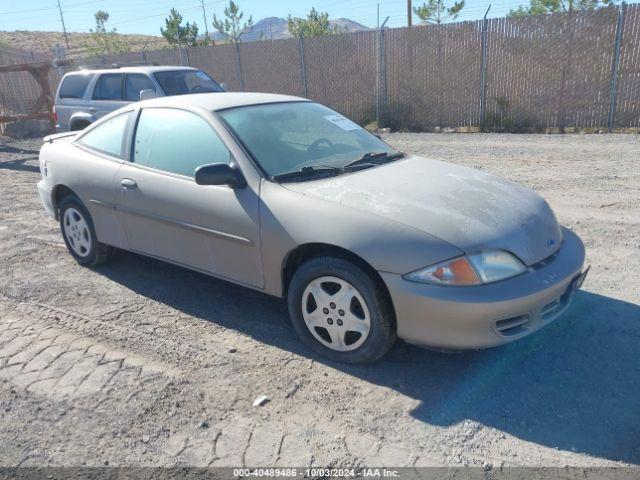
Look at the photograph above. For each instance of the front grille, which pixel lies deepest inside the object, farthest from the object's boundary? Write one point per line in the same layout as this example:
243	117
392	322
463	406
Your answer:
510	327
552	309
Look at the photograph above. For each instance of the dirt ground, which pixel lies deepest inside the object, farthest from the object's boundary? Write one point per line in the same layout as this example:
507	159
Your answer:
143	363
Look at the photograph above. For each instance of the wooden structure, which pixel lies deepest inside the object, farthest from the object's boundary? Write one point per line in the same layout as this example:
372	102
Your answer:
43	108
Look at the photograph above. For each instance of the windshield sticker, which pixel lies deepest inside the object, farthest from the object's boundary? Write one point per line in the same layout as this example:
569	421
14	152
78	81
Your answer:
342	122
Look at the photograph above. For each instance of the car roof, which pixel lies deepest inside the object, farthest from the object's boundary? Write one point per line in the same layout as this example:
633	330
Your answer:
219	100
140	69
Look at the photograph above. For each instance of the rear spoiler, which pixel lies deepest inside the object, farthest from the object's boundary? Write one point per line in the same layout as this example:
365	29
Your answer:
55	136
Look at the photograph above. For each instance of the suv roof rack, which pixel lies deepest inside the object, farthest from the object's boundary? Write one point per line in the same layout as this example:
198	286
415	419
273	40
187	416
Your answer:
117	65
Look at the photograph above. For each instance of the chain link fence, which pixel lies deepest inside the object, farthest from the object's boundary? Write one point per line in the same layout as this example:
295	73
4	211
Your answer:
579	69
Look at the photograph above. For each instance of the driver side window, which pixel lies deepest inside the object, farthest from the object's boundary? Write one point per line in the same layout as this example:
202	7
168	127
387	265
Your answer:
176	141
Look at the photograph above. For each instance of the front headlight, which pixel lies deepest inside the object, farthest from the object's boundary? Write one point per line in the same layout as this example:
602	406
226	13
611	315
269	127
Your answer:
484	267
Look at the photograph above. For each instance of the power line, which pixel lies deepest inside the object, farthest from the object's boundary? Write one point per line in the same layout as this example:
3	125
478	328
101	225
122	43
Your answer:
51	8
84	9
192	7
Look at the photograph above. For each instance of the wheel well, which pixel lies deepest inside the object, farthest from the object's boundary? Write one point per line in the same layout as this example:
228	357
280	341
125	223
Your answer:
60	192
306	252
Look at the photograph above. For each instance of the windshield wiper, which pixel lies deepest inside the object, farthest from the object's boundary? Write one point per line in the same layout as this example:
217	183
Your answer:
370	159
373	158
308	171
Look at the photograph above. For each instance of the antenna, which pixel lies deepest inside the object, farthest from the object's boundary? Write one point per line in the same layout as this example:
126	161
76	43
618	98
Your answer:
64	29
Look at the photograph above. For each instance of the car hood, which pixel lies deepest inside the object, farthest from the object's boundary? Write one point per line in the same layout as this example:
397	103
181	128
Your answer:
468	208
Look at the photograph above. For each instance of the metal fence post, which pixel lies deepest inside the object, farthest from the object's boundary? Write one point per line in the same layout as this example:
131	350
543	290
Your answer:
483	71
615	65
179	48
239	67
303	69
381	94
59	54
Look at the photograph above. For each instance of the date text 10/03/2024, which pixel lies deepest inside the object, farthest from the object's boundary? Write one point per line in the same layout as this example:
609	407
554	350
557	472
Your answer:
316	472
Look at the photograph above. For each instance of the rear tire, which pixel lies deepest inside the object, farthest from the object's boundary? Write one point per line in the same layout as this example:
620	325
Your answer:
79	234
340	312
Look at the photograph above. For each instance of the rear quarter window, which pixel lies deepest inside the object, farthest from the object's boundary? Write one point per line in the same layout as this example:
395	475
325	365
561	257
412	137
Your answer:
74	86
109	136
108	87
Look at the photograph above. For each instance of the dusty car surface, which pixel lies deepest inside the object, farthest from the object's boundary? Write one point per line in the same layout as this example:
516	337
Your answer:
288	197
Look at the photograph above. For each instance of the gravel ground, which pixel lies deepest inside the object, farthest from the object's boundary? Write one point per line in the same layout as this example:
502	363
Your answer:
144	363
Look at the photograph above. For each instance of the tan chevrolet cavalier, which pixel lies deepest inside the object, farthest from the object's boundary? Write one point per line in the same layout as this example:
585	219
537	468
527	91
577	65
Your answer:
283	195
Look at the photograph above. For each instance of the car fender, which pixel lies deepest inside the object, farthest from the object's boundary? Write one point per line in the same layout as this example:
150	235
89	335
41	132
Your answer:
90	176
289	219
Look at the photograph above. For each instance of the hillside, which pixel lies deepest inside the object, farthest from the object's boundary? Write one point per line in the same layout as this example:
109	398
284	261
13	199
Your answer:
275	28
78	41
270	28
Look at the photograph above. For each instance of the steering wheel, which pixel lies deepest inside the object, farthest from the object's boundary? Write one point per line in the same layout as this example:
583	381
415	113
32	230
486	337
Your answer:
199	89
314	148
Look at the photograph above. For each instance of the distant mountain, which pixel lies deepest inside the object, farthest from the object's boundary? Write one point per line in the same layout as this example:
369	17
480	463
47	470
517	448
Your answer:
270	28
275	28
347	25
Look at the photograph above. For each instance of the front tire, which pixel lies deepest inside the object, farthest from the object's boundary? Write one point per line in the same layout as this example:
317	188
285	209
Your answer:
340	312
79	234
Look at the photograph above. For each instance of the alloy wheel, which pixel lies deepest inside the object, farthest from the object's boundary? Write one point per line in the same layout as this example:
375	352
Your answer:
76	230
335	313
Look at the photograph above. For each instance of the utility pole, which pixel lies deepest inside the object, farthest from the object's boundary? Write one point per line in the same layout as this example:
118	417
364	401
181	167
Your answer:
409	13
204	14
64	29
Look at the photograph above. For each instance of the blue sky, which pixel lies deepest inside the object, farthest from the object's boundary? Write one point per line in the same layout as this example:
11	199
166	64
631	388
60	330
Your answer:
146	17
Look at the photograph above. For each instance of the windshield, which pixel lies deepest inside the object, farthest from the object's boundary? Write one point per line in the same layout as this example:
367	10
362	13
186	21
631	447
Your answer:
180	82
286	137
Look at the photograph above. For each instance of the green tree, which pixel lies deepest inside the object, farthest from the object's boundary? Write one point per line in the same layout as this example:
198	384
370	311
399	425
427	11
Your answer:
315	24
232	26
177	34
435	11
541	7
105	41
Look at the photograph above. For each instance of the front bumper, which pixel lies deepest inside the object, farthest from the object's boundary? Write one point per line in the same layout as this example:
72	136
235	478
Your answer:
488	315
47	199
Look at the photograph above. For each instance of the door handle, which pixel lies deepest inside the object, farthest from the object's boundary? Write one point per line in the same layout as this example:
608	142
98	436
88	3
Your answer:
92	109
128	184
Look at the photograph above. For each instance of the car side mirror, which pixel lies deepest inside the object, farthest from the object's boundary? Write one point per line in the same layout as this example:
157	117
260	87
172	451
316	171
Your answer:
147	94
223	86
220	174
